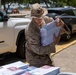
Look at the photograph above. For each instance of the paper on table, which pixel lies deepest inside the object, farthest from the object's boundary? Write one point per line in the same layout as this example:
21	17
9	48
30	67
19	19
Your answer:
48	31
46	71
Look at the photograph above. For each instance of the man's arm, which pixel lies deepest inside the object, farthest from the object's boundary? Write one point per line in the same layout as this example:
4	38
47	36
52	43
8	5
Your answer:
35	45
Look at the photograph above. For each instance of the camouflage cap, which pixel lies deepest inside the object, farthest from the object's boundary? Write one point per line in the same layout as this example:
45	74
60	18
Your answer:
38	11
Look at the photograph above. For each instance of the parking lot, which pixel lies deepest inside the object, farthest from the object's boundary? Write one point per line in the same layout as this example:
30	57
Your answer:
66	59
63	45
21	12
60	47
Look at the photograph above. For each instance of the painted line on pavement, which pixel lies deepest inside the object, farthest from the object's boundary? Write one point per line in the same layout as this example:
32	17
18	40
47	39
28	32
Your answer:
63	46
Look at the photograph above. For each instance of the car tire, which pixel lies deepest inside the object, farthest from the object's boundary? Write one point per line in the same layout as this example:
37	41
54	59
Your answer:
66	37
21	47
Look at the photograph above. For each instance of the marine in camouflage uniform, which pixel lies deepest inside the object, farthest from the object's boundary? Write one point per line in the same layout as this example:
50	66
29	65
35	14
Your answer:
36	54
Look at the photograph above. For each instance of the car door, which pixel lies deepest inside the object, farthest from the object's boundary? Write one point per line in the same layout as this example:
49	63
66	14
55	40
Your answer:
72	19
73	23
6	35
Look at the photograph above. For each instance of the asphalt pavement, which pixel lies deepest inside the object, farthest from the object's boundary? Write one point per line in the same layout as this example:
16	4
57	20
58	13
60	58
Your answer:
66	59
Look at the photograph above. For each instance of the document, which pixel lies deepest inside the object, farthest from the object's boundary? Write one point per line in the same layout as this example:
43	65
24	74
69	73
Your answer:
45	70
48	31
13	68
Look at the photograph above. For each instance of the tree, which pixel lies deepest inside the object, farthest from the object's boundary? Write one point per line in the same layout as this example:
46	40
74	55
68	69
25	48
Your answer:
9	2
65	2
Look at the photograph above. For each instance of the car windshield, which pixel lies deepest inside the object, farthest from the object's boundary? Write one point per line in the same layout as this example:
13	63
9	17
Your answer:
69	12
65	12
74	12
4	13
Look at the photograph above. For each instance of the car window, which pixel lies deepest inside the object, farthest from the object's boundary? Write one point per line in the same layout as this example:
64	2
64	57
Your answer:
1	17
69	12
4	13
64	12
74	12
58	12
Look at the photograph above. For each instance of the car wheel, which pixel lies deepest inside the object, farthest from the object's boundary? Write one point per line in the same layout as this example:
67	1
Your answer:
21	47
66	37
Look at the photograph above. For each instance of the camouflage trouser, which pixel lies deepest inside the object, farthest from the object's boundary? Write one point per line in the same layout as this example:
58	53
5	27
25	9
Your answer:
39	63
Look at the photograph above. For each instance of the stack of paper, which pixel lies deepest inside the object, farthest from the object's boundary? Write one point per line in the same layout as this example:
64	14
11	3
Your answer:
20	68
13	68
48	31
46	70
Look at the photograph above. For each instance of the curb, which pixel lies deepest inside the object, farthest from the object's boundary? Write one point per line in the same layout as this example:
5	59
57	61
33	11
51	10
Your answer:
63	47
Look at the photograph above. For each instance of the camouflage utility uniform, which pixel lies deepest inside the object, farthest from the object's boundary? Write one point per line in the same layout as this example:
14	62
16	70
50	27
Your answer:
36	54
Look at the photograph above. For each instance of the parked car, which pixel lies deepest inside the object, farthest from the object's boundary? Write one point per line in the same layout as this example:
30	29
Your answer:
68	15
15	11
12	11
12	34
9	11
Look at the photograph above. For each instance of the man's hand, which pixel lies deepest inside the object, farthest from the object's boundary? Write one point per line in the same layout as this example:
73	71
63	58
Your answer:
59	22
56	39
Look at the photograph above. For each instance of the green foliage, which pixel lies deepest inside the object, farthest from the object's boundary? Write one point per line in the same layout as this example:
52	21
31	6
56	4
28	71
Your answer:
65	2
10	1
55	2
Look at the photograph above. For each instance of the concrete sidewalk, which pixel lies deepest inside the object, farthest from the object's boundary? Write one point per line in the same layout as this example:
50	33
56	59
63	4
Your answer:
66	59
